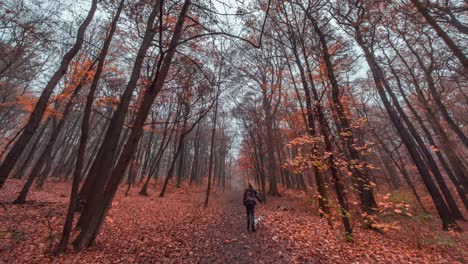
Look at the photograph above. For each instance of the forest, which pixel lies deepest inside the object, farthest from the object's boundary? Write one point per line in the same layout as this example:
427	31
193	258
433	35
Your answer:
129	130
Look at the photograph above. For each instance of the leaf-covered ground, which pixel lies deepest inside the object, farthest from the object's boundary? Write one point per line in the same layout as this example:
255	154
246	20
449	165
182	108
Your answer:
177	229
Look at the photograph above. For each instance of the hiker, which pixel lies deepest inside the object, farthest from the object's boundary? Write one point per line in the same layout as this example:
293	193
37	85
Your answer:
250	195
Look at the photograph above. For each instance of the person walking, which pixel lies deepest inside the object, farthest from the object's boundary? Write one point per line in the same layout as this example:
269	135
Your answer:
250	197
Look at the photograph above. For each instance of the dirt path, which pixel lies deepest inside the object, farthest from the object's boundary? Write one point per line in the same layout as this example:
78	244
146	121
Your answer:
231	241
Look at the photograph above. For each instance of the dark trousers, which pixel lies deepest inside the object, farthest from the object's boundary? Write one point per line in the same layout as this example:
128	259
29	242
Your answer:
250	216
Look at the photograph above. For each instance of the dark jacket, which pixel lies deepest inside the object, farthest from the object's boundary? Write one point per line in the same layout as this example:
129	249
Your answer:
250	197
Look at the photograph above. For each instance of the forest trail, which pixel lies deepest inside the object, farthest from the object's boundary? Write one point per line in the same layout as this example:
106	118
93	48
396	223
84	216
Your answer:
230	239
178	229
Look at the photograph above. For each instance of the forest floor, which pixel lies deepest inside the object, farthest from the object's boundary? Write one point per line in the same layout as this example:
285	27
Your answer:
178	229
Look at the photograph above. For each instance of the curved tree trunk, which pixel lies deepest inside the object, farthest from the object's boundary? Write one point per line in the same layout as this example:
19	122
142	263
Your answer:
41	105
84	134
99	172
442	33
445	214
364	187
99	206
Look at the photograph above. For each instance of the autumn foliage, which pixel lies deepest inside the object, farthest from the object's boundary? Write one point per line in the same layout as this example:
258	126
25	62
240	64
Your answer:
129	129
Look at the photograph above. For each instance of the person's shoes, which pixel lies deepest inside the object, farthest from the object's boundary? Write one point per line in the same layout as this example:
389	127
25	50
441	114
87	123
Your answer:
253	229
248	229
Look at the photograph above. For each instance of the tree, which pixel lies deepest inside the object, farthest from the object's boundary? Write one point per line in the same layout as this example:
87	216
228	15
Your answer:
40	107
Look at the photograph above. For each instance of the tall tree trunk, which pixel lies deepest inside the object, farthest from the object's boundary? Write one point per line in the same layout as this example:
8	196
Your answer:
405	174
390	172
99	173
212	141
85	133
431	163
456	163
435	95
448	220
319	179
181	164
323	126
45	156
148	154
159	155
446	167
196	154
24	166
41	105
422	8
269	136
364	187
103	200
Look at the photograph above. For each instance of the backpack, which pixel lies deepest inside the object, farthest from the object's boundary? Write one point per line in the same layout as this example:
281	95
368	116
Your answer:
249	197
